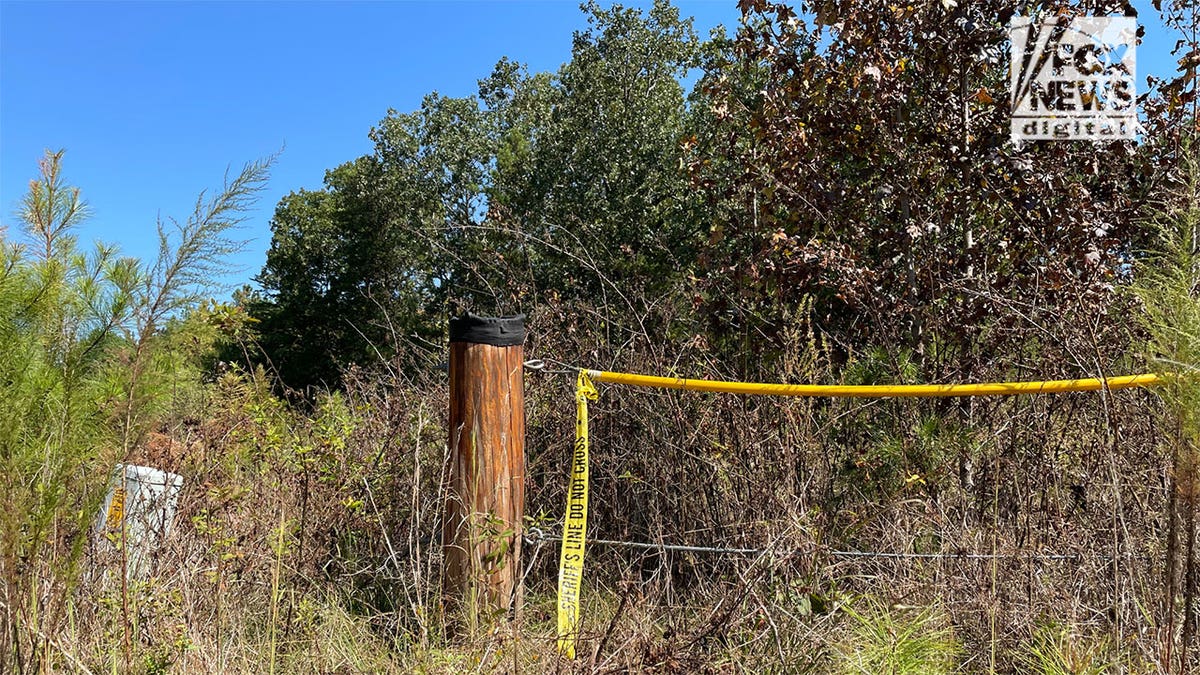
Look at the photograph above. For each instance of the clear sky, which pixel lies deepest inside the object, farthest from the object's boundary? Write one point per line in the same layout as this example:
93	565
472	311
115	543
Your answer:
154	100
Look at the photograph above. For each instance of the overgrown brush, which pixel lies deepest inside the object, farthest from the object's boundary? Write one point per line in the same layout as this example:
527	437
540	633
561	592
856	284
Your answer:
1169	288
84	370
882	639
1060	650
307	531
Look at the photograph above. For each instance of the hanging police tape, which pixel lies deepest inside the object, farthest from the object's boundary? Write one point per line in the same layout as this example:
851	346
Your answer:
570	564
574	539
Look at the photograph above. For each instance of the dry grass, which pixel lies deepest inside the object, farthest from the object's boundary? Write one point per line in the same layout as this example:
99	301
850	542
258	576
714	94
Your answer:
306	538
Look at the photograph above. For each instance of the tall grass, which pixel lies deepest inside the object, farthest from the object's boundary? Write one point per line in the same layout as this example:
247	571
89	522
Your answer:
890	641
1059	650
306	537
1169	289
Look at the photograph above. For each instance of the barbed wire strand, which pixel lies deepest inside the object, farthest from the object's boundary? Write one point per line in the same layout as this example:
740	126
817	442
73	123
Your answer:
534	535
563	368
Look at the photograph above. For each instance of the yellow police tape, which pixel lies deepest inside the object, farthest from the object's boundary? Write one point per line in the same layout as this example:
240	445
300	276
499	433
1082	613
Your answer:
570	563
878	390
570	566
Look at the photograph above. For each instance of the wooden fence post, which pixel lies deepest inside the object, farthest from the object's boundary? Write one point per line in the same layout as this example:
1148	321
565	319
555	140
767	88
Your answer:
485	503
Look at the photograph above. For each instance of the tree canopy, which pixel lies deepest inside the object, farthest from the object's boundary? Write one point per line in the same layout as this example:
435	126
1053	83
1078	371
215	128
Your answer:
848	167
562	187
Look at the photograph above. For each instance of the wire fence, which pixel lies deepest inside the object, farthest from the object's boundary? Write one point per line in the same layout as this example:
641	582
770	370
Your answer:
535	536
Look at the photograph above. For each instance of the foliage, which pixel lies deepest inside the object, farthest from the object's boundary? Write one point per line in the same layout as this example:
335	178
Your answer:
1057	650
859	155
882	641
802	215
59	310
1168	283
607	186
1169	289
84	360
542	188
827	162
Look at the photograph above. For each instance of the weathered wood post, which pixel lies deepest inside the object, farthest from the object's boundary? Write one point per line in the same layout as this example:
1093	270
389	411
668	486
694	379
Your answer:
485	503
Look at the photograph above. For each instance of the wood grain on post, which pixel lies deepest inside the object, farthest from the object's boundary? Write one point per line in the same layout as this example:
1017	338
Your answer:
485	503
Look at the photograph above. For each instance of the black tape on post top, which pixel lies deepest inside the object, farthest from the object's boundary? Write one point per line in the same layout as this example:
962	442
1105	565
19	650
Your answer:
498	331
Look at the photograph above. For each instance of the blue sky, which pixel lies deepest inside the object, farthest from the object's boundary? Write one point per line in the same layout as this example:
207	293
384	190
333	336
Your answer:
153	101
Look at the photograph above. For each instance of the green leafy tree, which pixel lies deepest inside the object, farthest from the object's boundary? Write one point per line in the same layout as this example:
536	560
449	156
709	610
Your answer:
325	252
605	187
360	271
561	188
